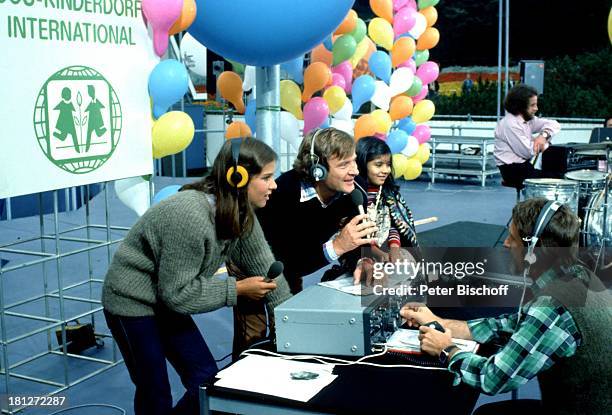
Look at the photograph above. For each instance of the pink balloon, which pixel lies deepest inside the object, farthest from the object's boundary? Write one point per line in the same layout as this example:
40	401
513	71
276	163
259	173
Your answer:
316	112
338	80
381	136
404	20
399	4
161	14
428	72
422	133
421	95
346	70
410	63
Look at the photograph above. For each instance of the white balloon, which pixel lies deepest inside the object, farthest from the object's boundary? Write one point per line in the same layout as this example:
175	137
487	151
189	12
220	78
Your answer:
401	80
193	54
134	193
290	129
345	112
411	147
419	26
382	96
344	125
250	78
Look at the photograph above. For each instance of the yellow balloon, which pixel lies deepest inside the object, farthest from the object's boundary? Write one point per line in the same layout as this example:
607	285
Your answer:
400	162
413	169
423	111
383	121
335	98
362	49
610	25
291	98
381	32
422	154
172	133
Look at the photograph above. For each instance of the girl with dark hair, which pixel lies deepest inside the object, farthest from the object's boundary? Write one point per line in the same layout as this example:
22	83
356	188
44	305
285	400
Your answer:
385	203
165	270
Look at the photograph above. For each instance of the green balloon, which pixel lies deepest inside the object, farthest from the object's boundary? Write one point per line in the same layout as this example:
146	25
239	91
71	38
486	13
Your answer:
426	3
344	47
360	30
421	56
416	87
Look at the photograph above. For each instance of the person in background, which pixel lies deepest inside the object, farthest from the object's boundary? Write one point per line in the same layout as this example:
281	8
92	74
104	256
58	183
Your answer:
165	268
515	144
608	122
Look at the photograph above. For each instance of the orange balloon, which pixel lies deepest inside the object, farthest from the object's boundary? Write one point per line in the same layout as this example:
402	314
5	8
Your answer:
383	8
371	49
429	39
348	24
321	54
238	129
365	126
187	17
403	49
316	77
431	15
229	86
401	107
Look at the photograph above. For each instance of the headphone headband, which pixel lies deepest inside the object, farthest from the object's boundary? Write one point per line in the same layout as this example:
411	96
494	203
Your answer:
317	171
546	214
237	176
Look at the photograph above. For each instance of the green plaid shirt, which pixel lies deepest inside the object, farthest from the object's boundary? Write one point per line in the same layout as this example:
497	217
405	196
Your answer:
547	333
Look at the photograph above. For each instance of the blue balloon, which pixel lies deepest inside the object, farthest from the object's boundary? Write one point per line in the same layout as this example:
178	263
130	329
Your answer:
168	82
380	65
165	193
363	90
328	43
250	116
295	69
325	124
264	33
397	140
406	125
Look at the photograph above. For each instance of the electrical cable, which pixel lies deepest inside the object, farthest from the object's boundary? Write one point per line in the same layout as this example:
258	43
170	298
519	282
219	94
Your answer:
91	405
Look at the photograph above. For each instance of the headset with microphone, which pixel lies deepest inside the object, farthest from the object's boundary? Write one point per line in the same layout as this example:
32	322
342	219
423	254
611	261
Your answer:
318	171
236	176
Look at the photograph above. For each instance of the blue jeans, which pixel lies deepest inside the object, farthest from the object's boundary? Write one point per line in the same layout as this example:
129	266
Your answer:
146	343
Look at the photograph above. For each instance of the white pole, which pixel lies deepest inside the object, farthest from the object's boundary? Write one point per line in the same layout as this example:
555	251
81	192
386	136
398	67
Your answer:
268	107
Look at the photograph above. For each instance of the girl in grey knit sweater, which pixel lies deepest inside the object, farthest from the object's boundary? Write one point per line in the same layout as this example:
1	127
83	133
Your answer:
164	271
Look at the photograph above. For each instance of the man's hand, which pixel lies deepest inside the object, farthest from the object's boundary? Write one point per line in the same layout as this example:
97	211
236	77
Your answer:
540	144
354	235
254	288
417	314
364	271
434	341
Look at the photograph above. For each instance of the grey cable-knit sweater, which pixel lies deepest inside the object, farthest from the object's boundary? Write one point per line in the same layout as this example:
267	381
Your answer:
171	254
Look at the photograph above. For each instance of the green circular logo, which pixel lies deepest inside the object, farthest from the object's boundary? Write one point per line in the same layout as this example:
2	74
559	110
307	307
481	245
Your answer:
77	119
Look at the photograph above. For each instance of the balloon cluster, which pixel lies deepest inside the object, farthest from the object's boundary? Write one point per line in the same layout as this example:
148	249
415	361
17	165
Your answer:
168	82
385	62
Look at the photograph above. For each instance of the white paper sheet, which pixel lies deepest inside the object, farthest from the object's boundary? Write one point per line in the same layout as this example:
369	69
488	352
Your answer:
408	340
272	376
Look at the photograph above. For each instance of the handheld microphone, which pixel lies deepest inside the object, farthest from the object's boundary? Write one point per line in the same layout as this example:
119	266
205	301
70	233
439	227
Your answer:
275	270
357	198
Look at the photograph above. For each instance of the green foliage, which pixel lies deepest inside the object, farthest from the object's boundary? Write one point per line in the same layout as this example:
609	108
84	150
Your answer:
480	101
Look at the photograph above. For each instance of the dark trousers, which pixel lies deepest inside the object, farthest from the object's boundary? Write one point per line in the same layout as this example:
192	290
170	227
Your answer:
146	343
515	174
516	407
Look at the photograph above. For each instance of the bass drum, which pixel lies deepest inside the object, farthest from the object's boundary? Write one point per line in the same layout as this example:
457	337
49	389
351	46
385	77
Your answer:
593	225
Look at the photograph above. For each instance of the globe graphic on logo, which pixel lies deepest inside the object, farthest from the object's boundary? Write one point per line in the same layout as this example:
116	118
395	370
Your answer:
77	119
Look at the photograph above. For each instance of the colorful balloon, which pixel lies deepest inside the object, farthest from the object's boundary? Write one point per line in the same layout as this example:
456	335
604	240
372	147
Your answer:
420	24
316	77
363	90
428	72
382	96
188	14
229	85
316	112
422	155
365	126
401	78
250	78
421	95
401	107
427	3
411	147
165	193
400	162
420	57
295	69
383	121
168	82
413	169
134	192
335	98
431	15
422	133
321	54
383	8
380	65
238	129
172	133
416	87
344	47
404	21
346	71
403	49
397	140
423	111
291	98
360	30
429	39
348	24
250	115
290	129
381	32
345	113
407	125
195	53
161	14
338	80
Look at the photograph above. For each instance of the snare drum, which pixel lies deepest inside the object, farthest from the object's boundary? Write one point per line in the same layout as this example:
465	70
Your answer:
593	223
564	191
589	183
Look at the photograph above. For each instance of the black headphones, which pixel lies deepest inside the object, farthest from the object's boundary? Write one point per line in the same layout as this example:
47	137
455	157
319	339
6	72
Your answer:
236	176
546	214
318	171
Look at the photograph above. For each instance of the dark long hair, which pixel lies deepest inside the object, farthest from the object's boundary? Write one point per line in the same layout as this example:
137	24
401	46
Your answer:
369	148
517	100
234	215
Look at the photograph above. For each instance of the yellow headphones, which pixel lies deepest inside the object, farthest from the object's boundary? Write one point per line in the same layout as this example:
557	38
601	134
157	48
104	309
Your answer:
236	176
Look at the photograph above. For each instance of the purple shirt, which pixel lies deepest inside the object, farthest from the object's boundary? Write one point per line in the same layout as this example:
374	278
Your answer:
514	137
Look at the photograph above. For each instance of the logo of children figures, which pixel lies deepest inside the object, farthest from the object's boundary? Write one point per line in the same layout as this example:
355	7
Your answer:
77	119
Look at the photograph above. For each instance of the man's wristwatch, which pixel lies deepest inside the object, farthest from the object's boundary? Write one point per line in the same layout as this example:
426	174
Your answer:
445	354
546	135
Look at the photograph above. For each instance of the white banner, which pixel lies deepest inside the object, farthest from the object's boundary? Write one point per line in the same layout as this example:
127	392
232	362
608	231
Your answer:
74	105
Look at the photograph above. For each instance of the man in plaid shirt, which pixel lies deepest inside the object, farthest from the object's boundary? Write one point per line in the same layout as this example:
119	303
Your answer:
562	335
